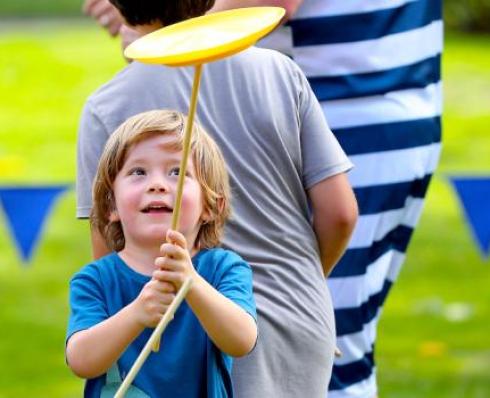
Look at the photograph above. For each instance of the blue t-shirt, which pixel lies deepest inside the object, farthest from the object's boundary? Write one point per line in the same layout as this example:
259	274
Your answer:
188	364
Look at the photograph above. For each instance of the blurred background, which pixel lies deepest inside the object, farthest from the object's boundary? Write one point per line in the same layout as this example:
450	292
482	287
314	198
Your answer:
434	335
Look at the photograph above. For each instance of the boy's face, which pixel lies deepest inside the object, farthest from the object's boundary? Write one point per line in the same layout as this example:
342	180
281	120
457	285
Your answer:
145	193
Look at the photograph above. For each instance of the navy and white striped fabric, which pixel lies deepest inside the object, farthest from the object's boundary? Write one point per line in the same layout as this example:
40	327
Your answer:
375	67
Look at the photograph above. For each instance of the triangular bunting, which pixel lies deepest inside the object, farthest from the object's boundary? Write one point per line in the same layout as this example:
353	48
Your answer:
474	195
26	209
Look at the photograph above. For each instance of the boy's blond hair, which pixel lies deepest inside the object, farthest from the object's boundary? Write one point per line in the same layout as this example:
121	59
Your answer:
208	163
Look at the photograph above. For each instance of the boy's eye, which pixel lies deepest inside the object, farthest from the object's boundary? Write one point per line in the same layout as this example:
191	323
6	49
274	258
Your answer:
137	171
174	171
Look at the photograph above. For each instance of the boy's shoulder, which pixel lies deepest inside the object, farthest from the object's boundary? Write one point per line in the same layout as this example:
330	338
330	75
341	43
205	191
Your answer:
97	269
219	255
217	262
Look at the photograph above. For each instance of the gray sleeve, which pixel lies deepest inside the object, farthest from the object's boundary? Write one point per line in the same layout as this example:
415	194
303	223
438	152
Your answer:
92	136
322	154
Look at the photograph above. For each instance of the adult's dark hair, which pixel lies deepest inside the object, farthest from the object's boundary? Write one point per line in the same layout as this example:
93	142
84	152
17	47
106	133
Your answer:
142	12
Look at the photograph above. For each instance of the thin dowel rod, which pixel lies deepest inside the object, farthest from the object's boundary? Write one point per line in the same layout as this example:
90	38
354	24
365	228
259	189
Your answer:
167	317
185	155
186	146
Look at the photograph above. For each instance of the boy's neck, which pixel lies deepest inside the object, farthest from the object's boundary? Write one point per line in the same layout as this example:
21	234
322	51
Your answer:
141	260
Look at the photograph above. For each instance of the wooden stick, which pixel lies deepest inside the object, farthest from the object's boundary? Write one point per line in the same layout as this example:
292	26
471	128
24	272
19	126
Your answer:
186	146
185	155
167	317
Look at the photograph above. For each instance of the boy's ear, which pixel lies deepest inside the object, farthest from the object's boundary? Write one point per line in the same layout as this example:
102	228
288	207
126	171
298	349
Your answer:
206	216
221	204
114	216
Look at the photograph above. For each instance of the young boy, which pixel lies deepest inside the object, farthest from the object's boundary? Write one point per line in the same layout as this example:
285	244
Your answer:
116	299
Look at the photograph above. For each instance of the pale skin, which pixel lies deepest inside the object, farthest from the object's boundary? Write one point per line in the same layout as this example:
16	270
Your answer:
333	219
291	6
90	353
105	14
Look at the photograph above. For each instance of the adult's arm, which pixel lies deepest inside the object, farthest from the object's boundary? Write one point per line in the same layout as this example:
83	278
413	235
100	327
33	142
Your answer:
291	6
99	247
334	217
92	136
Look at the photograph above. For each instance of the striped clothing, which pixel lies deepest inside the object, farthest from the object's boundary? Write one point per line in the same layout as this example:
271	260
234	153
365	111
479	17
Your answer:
375	67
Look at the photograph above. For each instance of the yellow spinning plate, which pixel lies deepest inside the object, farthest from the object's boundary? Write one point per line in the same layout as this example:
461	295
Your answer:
207	38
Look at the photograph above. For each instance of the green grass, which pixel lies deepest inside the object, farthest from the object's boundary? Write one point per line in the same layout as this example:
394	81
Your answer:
48	70
29	8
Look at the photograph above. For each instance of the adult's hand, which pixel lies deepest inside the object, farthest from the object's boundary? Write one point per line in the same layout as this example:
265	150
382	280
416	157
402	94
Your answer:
128	35
291	6
105	14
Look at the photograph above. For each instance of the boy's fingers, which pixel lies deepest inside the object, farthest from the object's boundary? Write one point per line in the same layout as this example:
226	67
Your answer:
163	284
172	250
167	264
177	238
173	277
168	249
168	298
159	262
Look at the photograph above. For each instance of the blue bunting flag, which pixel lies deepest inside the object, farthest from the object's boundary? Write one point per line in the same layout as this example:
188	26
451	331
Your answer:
26	209
474	195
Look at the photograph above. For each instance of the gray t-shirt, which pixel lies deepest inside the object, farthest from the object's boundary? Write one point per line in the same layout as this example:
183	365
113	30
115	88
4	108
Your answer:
260	109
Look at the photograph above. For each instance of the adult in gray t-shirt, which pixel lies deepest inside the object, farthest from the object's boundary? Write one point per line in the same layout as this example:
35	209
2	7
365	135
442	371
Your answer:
279	150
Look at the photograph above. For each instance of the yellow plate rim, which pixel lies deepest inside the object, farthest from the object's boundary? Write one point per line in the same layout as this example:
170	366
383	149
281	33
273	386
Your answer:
207	54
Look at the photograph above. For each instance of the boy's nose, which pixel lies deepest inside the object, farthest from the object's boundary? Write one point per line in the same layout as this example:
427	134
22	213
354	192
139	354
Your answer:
157	185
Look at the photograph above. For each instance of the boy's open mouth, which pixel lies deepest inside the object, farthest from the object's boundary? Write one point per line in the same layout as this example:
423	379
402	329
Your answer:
157	209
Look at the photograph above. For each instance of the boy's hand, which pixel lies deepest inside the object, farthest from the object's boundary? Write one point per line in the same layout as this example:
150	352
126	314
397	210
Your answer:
175	261
153	301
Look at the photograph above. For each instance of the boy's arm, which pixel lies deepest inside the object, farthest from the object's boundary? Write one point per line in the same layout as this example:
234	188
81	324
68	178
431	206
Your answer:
91	352
334	217
229	326
231	329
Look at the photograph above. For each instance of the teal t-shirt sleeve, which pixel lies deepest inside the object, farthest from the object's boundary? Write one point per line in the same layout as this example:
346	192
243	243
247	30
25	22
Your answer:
87	303
236	282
